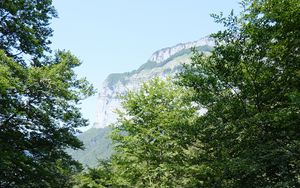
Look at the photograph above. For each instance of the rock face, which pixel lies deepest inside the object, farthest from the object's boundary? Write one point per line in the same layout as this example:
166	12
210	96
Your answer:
163	54
163	63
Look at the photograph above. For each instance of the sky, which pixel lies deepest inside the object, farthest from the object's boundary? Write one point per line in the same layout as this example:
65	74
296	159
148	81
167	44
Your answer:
114	36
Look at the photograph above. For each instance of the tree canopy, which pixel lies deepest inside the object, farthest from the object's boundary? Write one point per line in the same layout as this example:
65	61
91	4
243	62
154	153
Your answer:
249	135
39	100
24	27
38	120
152	139
152	136
250	87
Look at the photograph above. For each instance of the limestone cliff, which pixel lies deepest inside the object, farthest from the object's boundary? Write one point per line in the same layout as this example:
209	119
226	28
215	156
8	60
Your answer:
164	62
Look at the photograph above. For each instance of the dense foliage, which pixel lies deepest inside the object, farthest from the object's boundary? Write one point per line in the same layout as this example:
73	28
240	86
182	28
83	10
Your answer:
152	139
24	27
249	135
100	177
39	100
38	120
152	136
250	86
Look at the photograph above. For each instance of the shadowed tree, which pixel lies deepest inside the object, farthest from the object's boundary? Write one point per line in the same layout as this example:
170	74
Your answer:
24	28
250	87
39	99
37	121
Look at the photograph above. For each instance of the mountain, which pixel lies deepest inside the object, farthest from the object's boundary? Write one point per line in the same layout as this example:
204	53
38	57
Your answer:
97	146
162	63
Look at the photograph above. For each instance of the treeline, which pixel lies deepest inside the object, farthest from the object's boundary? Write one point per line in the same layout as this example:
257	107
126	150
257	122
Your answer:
230	119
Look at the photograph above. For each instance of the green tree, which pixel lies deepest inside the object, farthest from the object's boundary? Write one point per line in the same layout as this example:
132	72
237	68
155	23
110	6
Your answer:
250	87
24	27
99	177
152	137
39	97
38	121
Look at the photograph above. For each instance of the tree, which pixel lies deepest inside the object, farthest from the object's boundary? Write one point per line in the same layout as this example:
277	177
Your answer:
99	177
39	94
38	120
249	135
24	27
152	137
250	87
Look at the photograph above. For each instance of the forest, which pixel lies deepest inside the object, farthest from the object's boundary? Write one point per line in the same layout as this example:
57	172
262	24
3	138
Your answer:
231	118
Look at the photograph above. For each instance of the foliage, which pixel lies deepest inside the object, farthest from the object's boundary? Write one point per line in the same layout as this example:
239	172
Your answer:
152	139
249	135
250	87
38	120
99	177
24	27
152	136
39	95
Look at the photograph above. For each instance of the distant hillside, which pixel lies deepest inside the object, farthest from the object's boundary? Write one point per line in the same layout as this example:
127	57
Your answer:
97	146
163	63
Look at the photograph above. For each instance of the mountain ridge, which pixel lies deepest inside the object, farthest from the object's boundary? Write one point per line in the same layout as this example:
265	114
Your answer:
164	62
162	54
96	140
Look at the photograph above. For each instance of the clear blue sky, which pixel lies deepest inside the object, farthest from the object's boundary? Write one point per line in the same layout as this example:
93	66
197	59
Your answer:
119	35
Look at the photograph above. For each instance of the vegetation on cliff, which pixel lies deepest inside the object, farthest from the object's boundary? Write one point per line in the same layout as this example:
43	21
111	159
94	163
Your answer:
249	134
230	119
